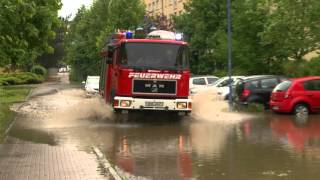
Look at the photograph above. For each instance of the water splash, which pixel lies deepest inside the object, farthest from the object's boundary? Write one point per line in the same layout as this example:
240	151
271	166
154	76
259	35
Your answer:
209	106
66	108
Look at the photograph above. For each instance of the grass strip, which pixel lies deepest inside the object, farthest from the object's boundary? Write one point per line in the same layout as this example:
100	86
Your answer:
8	96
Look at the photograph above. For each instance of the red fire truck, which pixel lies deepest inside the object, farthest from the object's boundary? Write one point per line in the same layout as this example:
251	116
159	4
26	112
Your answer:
145	74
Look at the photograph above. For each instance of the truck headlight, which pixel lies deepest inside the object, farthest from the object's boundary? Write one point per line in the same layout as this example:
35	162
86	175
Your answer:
125	103
181	105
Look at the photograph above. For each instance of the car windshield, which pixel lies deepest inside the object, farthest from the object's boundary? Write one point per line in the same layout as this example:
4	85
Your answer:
283	86
93	81
155	55
219	81
211	80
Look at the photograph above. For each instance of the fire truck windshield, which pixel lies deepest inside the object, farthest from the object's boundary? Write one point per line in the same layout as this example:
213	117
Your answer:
154	55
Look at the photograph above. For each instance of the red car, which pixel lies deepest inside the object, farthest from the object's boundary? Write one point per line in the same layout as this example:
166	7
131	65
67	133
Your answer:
300	96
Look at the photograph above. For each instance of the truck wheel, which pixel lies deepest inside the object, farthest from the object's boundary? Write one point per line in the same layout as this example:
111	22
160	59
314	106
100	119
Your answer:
120	118
301	110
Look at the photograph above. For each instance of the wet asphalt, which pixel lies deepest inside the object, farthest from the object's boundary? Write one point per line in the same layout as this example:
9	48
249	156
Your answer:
162	146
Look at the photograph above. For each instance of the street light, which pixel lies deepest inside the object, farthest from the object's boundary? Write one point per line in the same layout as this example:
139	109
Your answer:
229	52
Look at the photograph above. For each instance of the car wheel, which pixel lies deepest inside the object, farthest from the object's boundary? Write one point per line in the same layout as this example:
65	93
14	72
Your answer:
301	110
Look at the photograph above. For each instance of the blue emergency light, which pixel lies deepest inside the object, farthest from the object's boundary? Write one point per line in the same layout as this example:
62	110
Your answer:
129	35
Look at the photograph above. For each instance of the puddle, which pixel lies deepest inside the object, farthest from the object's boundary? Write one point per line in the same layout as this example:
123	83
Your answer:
34	135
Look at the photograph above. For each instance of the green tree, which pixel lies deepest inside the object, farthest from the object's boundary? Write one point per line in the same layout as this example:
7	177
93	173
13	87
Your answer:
90	29
293	28
26	28
266	34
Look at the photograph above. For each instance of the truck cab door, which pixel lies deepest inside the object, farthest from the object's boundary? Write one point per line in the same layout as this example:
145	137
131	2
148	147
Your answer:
108	73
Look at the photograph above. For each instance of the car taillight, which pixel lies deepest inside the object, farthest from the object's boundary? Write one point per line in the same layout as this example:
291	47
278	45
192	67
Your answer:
245	93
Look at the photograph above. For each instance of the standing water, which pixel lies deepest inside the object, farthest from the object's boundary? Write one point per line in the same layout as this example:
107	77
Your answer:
212	144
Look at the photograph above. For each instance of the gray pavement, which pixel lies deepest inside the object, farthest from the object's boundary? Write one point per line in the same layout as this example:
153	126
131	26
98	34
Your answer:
22	159
25	160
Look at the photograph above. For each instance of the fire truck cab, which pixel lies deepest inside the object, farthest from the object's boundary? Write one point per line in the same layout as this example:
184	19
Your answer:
145	74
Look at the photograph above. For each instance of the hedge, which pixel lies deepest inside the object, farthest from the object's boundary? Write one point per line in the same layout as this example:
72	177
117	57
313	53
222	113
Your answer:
20	78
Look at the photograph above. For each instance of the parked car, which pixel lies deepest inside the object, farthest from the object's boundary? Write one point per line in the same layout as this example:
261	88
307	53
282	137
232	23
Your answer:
64	69
199	82
91	85
256	89
221	82
223	88
300	96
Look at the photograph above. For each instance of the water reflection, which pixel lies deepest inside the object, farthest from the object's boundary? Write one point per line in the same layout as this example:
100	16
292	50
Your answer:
299	136
168	150
124	157
209	139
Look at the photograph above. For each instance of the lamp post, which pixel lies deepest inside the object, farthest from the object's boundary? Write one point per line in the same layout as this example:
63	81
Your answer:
229	52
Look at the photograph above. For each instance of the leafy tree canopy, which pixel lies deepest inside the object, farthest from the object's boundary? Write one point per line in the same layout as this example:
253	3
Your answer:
26	29
91	27
266	34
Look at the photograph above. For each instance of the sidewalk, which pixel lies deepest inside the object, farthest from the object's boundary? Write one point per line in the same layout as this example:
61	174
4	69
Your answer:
22	160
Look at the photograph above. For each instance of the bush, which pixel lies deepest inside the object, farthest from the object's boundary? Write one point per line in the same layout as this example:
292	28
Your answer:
13	80
303	68
40	70
20	78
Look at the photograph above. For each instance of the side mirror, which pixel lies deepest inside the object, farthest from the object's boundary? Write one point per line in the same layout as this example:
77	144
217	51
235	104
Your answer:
83	82
110	53
109	60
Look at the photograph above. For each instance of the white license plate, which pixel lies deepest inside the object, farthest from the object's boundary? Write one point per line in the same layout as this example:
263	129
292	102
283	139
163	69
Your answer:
154	104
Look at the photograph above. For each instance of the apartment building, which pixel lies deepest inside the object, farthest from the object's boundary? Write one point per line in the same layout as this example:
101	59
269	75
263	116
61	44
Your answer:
164	7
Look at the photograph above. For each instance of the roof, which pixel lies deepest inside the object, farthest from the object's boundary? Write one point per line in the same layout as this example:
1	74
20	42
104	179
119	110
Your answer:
152	41
93	77
199	76
254	77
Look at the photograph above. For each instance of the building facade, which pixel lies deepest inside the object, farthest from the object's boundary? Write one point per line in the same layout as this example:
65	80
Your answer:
164	7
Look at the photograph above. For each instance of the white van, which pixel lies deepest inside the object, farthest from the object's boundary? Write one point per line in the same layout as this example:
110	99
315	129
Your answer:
91	85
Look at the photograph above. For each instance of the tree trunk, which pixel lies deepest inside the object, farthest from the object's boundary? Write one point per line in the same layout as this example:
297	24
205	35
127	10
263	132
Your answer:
13	65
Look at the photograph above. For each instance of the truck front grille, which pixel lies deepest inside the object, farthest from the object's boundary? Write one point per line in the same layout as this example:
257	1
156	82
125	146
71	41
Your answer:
154	87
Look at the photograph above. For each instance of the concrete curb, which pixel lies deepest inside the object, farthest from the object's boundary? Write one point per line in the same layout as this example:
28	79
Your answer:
14	120
105	163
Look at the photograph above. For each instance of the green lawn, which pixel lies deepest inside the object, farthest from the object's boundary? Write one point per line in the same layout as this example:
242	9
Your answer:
8	96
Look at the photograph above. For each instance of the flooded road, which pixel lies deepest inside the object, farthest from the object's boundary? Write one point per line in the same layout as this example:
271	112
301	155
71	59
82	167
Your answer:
208	145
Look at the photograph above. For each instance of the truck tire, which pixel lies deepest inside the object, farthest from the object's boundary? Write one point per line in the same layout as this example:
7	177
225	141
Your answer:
120	117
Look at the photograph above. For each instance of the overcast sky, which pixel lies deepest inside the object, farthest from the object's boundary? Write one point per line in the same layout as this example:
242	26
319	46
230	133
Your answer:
72	6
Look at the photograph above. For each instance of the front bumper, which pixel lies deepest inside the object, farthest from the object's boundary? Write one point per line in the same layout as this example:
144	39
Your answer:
130	103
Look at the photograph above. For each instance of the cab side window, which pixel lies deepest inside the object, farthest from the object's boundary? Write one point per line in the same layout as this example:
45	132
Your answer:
199	81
